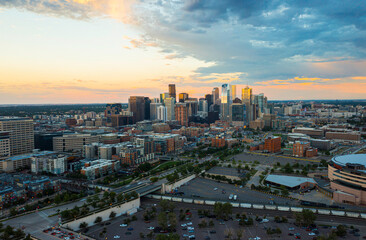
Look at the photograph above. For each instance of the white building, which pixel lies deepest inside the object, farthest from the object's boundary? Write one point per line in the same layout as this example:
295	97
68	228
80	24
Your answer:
56	164
162	113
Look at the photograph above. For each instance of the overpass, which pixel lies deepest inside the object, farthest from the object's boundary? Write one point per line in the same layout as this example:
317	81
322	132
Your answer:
141	189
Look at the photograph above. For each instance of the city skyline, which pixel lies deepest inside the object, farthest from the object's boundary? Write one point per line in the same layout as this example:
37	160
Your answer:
88	51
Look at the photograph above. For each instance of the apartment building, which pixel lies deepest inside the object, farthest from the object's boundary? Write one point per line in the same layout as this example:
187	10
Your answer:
21	132
73	142
4	145
55	164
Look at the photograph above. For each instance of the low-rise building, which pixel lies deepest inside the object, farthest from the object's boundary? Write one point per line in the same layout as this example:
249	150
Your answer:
99	168
21	161
56	164
272	144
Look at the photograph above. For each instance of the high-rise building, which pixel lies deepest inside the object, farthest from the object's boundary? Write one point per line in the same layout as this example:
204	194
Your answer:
259	100
154	110
225	101
233	91
237	111
183	97
21	134
121	120
136	105
162	113
147	108
4	145
172	92
246	95
170	105
163	96
112	109
181	114
209	99
215	95
192	105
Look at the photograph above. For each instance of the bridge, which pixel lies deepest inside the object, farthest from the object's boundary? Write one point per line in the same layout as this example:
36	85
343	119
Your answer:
141	189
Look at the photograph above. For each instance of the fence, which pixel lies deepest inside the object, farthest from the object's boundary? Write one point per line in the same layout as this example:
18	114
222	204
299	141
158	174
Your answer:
261	206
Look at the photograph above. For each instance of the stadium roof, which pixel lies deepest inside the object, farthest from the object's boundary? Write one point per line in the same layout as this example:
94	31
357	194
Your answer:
288	181
351	158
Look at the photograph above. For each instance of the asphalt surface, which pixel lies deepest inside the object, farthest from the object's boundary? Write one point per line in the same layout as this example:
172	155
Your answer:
204	188
258	229
270	159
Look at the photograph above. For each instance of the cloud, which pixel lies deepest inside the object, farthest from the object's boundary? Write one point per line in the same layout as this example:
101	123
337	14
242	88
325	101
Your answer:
266	40
75	9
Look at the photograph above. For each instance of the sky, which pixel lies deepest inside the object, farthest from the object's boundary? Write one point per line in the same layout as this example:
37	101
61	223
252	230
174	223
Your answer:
98	51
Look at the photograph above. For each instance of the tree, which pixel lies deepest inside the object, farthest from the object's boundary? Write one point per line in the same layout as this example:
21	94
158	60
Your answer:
112	214
229	233
13	211
305	218
58	199
154	179
150	235
162	220
341	231
98	219
83	225
142	236
171	236
172	220
166	205
239	233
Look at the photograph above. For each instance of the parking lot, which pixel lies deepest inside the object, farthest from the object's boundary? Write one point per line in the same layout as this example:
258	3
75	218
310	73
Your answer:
201	188
58	233
272	159
218	231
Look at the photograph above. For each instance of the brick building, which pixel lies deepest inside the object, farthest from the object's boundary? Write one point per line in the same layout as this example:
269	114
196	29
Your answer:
272	144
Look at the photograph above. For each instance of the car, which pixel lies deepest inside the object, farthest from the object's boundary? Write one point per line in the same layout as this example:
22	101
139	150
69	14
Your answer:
207	238
151	228
189	224
213	231
312	234
128	233
130	229
183	225
241	186
191	231
116	236
231	196
264	220
291	229
290	234
192	237
107	223
184	228
215	189
298	237
185	235
255	238
123	225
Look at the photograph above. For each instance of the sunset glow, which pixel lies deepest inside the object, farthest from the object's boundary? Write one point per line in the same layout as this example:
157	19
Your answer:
91	51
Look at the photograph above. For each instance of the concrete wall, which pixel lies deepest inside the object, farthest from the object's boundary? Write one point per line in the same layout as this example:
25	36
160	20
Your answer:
169	187
269	207
119	210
